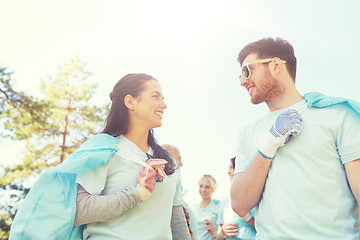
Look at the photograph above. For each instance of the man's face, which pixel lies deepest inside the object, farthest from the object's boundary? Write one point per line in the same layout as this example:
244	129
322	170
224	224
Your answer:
261	85
176	154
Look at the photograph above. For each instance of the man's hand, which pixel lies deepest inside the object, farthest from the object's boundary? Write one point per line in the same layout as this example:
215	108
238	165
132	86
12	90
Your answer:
147	176
229	229
287	124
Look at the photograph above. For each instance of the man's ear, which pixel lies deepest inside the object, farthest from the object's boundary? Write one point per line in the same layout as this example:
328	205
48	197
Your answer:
129	102
277	65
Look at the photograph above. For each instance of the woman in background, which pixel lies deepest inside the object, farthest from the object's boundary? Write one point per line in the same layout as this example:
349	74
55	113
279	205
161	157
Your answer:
207	209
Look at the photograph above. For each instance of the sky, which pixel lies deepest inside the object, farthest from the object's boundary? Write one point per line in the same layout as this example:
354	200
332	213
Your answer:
191	48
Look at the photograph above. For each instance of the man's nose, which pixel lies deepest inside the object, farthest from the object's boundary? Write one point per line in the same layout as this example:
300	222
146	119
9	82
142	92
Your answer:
243	81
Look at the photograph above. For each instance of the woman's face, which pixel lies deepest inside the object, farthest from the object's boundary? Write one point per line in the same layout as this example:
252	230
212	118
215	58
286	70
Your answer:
205	188
231	171
149	106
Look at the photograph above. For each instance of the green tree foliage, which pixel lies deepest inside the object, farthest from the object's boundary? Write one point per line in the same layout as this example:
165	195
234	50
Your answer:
7	94
17	102
66	120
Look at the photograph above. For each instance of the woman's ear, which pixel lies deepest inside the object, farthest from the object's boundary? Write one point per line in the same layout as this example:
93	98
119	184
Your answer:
129	102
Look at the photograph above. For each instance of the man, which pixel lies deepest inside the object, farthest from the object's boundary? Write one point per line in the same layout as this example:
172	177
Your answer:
300	163
190	215
174	151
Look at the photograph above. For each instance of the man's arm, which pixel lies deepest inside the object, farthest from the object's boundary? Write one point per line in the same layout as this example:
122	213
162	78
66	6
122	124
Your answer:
247	187
352	171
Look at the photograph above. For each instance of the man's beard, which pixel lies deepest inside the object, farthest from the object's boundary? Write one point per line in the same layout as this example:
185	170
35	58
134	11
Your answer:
269	90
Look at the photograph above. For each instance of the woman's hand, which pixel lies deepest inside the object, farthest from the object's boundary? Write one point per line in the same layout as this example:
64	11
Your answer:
210	228
147	176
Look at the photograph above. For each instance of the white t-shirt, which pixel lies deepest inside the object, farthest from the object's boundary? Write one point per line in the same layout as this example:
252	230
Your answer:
209	212
306	195
227	215
148	220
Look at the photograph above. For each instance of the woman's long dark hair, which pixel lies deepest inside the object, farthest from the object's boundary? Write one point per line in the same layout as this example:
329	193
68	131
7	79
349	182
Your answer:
117	120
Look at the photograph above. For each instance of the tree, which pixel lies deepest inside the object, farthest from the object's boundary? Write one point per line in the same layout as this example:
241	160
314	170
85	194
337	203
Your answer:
23	103
7	94
66	120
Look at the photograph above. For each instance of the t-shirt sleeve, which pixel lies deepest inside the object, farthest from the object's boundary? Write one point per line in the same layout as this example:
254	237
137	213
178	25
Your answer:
178	198
241	161
348	139
220	219
94	181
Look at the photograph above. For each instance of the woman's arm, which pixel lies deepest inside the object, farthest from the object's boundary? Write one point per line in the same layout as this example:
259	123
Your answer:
179	227
98	208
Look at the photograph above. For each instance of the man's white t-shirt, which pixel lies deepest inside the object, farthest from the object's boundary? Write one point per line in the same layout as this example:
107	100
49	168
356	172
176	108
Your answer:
306	195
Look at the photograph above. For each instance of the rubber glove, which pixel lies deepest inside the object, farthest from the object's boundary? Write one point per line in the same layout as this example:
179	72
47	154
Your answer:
158	165
287	124
147	176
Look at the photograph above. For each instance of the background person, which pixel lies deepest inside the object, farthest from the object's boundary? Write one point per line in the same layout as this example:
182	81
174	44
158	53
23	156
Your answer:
190	216
207	209
120	184
174	152
306	187
230	225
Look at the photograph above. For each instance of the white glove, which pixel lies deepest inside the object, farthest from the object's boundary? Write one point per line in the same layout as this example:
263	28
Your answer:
287	124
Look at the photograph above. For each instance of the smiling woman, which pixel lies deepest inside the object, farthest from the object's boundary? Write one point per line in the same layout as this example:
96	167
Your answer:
120	184
207	209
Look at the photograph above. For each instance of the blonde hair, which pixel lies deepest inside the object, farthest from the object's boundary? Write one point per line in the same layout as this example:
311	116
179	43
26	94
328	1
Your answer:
211	179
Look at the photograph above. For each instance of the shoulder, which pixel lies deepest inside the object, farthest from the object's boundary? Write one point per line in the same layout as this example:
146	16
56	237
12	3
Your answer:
336	111
95	152
318	100
216	202
99	141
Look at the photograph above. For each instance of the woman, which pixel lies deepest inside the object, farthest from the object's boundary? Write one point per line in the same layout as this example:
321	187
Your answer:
120	184
230	225
207	209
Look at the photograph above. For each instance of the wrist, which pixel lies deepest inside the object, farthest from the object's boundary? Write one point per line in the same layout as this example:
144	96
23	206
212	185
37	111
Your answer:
265	156
267	148
247	217
223	234
144	193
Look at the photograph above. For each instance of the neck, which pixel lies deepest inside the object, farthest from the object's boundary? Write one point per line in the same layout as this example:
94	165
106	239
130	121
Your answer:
139	137
290	97
205	202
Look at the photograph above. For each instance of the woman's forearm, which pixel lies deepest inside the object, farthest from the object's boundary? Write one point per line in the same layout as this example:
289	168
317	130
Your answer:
93	208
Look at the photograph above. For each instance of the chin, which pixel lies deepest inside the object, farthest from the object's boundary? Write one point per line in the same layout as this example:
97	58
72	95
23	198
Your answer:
157	125
255	100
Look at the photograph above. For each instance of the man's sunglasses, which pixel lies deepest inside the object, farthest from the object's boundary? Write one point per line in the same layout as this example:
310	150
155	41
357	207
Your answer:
245	69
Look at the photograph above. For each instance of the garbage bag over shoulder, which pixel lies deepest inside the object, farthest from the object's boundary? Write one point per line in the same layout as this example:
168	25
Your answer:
48	211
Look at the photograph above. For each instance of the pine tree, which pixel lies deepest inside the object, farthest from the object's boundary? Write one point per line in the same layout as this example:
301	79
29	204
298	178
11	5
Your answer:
65	118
